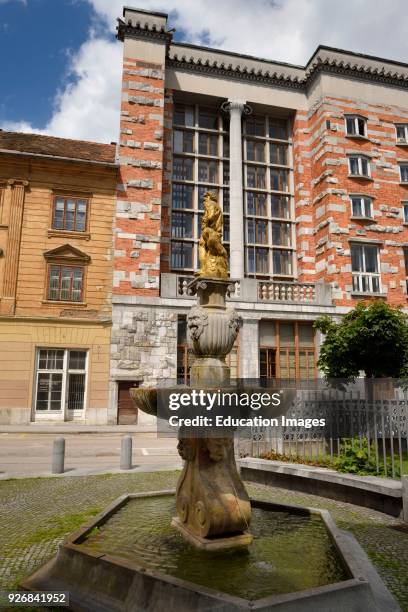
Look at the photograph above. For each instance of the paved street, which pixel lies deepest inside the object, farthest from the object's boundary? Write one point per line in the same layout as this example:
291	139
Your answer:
37	514
30	453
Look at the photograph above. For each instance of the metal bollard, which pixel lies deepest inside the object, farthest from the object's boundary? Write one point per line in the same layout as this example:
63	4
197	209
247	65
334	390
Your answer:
126	453
58	456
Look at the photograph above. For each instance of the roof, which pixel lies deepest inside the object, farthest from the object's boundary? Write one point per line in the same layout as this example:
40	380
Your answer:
64	148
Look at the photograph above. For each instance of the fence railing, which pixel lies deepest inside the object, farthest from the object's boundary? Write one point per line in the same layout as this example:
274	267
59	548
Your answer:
377	428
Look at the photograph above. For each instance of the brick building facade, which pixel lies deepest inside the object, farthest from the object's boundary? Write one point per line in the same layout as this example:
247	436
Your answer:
309	167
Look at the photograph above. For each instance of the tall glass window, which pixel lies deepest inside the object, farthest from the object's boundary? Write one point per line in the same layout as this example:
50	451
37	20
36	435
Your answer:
200	164
268	195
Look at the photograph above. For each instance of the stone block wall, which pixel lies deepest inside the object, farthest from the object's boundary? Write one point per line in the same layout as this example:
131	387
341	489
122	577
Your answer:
139	194
144	343
323	189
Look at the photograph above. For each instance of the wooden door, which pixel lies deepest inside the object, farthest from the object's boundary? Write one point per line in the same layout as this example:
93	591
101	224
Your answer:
127	411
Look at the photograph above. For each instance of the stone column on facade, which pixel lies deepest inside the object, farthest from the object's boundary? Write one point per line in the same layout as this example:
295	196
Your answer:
249	349
15	220
237	263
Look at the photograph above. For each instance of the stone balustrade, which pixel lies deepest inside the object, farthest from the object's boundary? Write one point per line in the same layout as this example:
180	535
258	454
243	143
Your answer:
254	290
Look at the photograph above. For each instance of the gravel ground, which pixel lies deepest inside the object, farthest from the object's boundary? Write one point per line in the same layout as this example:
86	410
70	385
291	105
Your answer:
37	513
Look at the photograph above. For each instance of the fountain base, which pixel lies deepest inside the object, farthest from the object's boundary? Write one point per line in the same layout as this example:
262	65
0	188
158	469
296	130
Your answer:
129	558
225	542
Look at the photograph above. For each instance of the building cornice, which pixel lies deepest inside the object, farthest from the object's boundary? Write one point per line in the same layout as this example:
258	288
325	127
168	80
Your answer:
144	31
215	62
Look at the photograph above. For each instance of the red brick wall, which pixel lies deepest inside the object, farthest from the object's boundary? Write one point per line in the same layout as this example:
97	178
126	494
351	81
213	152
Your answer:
322	196
139	194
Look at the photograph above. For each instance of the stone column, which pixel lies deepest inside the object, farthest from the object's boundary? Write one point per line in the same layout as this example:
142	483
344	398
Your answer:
237	258
15	220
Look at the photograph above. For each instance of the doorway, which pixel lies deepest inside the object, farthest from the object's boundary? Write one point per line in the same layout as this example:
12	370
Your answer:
127	411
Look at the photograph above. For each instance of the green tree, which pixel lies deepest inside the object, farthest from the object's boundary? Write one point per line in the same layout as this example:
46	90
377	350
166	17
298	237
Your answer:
373	338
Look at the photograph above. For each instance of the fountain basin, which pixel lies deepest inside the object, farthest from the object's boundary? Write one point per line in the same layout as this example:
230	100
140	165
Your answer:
130	558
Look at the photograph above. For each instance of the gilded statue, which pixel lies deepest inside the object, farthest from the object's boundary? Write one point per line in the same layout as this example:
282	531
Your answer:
212	254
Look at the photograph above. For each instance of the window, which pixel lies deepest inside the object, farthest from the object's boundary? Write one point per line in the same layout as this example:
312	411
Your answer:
60	380
256	177
207	171
70	214
278	154
280	206
356	125
361	206
256	204
405	206
182	196
402	133
281	234
365	268
207	119
282	262
266	142
258	261
359	165
182	225
182	255
208	144
183	142
404	173
406	268
184	115
183	168
257	231
279	180
255	151
255	126
199	166
65	283
278	128
287	350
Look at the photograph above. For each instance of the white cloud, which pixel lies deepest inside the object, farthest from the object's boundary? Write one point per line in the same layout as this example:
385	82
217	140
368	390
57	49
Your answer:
285	30
88	107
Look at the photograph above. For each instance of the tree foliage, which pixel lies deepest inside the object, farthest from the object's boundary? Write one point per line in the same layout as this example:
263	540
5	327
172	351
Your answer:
372	338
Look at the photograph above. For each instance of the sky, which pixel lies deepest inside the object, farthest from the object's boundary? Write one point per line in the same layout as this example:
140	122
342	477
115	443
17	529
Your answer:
60	62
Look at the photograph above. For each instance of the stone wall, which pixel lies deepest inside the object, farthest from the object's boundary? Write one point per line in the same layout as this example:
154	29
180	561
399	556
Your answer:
144	343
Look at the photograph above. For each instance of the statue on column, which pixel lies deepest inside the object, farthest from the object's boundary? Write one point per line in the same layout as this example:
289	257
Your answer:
212	254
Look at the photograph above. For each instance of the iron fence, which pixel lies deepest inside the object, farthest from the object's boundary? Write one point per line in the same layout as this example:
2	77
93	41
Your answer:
378	428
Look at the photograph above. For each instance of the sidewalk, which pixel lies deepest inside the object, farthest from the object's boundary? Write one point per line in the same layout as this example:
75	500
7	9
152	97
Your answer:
29	452
72	428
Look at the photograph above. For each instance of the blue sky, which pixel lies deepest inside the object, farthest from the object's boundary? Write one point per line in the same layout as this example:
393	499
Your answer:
60	62
36	41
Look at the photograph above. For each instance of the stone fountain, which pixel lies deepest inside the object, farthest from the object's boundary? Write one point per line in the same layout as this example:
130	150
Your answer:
129	558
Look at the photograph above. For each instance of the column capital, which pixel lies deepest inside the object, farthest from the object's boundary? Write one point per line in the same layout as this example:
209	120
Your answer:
236	105
13	182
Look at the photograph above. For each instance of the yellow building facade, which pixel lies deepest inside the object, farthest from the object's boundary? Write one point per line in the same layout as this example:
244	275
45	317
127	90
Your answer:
57	200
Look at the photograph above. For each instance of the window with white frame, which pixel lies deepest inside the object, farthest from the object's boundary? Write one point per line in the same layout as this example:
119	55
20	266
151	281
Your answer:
405	209
359	165
356	125
268	197
361	206
402	132
365	268
200	164
60	380
404	173
406	267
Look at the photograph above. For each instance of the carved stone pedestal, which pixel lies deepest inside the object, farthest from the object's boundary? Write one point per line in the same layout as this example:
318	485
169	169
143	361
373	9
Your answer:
213	507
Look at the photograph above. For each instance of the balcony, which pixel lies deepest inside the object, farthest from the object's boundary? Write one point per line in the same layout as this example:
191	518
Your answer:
253	290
